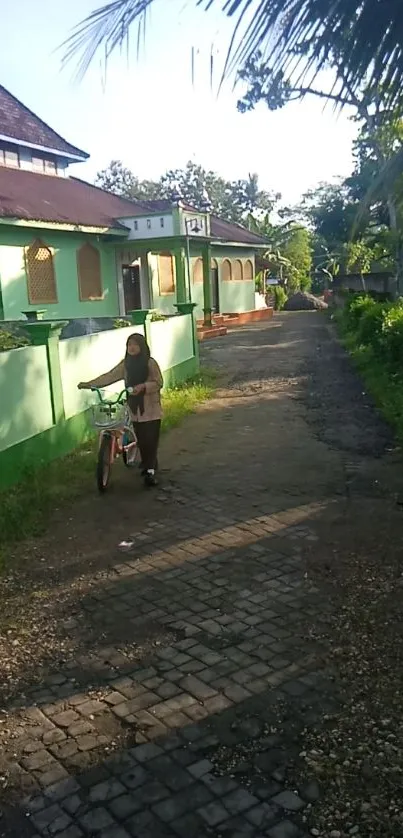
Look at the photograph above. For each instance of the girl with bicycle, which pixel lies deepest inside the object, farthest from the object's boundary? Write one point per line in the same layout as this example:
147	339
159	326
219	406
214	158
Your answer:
142	375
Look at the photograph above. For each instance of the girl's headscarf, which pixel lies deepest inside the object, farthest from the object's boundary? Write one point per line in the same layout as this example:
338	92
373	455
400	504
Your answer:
136	371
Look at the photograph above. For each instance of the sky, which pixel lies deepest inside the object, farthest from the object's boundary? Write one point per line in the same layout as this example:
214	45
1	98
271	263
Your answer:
145	110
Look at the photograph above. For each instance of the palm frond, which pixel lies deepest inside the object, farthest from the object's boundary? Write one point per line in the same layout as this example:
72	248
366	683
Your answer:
297	35
106	28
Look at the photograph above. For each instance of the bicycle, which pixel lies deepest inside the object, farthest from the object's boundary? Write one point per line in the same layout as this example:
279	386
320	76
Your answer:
116	435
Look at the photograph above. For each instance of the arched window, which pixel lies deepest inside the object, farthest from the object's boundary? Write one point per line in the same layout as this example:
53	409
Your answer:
214	265
238	270
198	270
40	274
166	273
226	271
248	271
89	273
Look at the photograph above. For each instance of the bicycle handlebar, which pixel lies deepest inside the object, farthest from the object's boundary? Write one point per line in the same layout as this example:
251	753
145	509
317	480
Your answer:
120	399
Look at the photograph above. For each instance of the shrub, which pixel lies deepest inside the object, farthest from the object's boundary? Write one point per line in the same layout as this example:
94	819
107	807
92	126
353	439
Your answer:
377	326
392	335
355	306
9	341
259	283
280	297
370	325
120	323
305	284
157	315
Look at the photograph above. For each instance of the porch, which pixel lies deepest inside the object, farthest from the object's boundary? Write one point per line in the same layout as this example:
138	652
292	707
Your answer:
160	274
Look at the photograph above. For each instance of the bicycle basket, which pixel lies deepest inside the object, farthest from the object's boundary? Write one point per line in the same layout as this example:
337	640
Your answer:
108	416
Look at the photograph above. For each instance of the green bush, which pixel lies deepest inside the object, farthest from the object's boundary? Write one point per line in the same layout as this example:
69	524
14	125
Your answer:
373	333
121	323
377	326
259	283
156	316
369	330
280	297
9	341
392	335
355	306
305	284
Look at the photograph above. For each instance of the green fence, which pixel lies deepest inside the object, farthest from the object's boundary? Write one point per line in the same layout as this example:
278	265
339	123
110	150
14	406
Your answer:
43	415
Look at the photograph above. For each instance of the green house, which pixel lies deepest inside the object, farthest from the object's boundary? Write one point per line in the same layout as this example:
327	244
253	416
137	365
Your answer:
76	251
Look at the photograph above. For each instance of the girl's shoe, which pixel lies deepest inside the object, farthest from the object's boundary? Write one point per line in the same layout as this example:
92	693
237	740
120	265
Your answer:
149	478
144	471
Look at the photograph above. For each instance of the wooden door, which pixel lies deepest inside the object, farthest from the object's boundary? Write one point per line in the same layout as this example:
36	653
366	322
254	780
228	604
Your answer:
131	287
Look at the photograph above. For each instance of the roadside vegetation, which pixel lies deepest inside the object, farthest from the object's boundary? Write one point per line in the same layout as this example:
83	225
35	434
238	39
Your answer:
372	332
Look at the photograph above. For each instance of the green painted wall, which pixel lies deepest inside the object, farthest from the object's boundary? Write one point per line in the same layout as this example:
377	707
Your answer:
65	245
233	296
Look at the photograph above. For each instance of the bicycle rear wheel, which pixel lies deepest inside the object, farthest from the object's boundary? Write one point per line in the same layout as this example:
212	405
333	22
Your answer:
104	462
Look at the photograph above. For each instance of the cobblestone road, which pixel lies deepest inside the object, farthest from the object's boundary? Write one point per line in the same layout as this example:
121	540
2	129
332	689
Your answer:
183	669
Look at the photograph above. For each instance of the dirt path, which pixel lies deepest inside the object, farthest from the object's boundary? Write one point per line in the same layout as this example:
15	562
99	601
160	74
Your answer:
241	660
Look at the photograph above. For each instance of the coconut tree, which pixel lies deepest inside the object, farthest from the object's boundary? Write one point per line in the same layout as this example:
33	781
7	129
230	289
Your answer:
293	34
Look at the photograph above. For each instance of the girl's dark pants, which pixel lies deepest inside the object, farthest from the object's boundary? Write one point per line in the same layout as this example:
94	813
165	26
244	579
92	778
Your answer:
148	434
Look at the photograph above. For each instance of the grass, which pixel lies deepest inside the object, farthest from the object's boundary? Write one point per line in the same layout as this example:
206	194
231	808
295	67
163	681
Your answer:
384	385
179	401
26	508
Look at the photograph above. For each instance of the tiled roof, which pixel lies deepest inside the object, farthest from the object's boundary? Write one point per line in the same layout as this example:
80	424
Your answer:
38	197
154	206
162	205
19	123
227	231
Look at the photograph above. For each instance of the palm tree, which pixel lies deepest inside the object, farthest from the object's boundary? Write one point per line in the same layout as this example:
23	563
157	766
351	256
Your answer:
366	34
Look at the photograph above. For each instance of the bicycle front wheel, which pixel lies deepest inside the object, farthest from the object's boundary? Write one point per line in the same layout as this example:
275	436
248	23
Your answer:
104	462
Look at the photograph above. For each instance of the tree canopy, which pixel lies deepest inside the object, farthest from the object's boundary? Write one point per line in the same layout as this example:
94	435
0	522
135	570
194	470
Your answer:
238	200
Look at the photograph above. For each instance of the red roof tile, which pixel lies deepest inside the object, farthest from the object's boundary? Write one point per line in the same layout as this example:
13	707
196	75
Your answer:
163	205
227	231
38	197
19	123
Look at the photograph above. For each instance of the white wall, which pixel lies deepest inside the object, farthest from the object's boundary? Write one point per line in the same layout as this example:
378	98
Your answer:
188	220
149	227
25	404
87	357
171	340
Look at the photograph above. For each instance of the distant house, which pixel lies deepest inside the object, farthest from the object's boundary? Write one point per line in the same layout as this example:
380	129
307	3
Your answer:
77	251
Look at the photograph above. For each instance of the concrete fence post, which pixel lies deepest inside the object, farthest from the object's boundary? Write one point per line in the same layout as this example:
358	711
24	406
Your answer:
48	334
139	317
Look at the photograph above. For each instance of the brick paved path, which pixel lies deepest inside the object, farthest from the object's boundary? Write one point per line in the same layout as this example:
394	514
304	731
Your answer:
171	701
